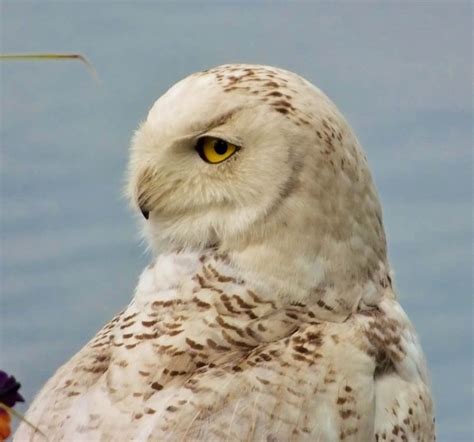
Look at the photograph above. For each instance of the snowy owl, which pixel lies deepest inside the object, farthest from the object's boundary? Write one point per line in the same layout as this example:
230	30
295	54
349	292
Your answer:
268	313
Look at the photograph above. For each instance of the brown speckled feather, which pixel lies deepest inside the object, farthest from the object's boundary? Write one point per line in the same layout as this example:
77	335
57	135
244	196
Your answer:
198	355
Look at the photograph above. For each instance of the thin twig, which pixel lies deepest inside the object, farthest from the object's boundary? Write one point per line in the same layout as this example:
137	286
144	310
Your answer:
22	418
26	57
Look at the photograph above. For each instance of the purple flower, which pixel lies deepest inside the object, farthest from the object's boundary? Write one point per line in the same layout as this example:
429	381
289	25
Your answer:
9	390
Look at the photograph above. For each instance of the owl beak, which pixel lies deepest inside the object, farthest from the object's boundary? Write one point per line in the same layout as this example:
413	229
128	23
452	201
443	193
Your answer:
145	212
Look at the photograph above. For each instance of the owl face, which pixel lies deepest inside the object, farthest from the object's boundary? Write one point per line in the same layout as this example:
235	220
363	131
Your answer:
207	164
241	156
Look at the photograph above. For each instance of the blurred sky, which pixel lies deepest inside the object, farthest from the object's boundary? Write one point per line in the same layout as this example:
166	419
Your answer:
70	252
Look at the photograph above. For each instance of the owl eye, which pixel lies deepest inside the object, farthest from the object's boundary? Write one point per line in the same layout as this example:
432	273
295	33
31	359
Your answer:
214	150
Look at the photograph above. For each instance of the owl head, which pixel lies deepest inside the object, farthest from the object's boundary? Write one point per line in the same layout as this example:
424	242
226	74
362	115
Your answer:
258	162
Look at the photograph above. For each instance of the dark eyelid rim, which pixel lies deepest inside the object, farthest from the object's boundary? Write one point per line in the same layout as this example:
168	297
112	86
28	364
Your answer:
199	149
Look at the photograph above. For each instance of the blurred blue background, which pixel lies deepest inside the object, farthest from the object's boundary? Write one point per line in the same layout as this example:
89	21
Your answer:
70	251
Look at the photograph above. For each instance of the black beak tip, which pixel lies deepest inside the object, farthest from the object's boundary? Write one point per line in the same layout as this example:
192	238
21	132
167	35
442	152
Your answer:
145	212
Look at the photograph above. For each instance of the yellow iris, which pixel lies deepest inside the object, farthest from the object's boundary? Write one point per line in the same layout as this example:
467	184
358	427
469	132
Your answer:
214	150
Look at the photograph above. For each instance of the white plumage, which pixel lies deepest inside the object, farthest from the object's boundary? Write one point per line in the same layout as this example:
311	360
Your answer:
269	313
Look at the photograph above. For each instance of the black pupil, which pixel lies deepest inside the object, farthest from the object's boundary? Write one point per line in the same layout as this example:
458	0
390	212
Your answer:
220	146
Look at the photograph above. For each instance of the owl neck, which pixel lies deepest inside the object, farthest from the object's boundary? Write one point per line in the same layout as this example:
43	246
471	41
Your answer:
300	261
